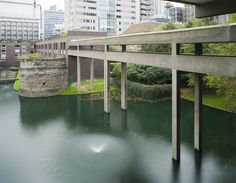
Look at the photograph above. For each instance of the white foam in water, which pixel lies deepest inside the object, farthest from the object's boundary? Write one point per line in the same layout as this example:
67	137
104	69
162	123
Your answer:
98	148
89	158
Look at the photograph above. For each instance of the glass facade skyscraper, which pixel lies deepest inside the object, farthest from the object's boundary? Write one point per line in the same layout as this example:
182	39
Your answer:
52	17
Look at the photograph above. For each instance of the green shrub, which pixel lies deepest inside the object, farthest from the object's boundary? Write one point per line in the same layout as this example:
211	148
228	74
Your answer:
147	92
31	57
144	74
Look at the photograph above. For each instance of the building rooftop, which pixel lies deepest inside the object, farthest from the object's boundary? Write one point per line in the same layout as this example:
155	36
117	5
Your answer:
142	27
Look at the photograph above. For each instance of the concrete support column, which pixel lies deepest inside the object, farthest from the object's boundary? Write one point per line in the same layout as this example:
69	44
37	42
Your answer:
176	115
92	74
175	107
53	50
124	86
106	84
44	51
198	113
106	87
66	52
48	51
78	73
59	50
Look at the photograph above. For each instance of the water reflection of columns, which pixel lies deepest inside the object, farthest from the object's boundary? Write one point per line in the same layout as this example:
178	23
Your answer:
79	109
175	171
198	166
124	120
107	119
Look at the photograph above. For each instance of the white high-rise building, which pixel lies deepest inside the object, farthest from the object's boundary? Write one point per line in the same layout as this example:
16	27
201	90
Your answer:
20	20
126	14
51	18
111	16
151	8
107	16
81	15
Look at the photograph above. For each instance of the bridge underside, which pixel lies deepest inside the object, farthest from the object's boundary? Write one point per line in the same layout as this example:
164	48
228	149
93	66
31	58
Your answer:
206	8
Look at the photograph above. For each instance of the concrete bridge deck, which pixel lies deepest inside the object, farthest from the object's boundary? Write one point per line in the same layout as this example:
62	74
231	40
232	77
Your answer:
225	66
197	63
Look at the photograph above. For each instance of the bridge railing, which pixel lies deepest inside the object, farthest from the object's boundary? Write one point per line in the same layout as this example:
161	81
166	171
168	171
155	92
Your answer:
103	48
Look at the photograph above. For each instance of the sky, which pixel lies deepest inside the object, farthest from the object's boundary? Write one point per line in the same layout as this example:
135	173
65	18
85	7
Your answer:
47	3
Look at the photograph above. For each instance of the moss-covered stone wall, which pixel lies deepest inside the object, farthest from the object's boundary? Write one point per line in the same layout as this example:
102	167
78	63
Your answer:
42	78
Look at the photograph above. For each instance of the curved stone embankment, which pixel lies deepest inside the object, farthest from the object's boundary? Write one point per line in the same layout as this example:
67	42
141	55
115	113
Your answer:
42	78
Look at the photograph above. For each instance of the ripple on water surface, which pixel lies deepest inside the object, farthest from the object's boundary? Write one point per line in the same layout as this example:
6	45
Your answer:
100	158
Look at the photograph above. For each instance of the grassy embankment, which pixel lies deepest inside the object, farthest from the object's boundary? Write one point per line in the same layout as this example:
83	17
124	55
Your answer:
214	101
211	100
72	90
17	82
85	88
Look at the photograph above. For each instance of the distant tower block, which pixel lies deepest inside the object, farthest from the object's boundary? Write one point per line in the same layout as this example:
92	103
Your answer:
34	9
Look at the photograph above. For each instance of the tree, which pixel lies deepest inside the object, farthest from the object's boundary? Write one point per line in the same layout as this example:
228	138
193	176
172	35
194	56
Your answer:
224	86
232	18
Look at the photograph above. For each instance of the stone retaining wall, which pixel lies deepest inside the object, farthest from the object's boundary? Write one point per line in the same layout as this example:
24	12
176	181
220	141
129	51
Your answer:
42	78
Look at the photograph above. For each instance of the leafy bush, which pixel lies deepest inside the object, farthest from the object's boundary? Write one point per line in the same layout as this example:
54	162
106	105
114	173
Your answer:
31	57
144	74
156	48
224	86
148	92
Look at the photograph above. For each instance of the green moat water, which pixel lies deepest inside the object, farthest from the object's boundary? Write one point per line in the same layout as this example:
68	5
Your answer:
68	139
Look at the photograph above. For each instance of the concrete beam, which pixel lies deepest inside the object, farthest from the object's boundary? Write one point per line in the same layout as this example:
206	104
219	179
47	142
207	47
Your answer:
124	86
200	64
196	64
208	34
198	113
89	54
92	74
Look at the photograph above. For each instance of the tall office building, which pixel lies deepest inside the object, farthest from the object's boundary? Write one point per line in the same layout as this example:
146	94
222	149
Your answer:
176	14
189	12
20	20
150	9
112	16
126	14
52	17
107	16
81	14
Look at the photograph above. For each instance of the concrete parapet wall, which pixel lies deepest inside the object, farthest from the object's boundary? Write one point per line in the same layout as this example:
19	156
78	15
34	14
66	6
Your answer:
42	78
